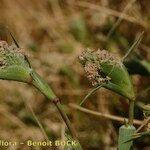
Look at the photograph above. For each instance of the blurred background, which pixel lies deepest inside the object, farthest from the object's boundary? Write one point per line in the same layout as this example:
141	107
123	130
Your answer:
53	34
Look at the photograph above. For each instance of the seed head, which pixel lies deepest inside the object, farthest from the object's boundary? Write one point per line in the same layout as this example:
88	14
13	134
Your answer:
100	56
93	61
106	57
11	55
103	67
13	63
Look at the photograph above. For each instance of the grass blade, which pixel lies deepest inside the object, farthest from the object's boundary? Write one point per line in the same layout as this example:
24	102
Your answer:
134	45
125	133
38	122
90	93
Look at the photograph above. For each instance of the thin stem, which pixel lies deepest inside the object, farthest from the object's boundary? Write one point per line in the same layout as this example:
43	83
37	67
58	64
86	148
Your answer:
38	122
65	118
107	116
138	135
131	112
134	45
143	124
90	93
116	24
141	134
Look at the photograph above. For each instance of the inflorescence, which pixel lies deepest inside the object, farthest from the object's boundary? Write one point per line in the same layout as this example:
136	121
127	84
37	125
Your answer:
93	61
11	55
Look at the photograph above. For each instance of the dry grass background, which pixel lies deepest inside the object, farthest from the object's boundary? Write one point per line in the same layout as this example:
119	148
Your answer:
53	33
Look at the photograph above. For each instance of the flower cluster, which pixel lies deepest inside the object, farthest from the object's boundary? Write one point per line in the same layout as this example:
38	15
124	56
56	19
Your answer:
14	64
93	62
11	55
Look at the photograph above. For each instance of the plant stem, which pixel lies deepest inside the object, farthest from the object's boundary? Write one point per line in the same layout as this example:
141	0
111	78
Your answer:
90	93
44	88
146	121
131	112
65	118
103	115
38	122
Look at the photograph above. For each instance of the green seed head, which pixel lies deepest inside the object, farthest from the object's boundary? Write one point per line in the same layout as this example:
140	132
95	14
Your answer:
93	62
103	67
13	63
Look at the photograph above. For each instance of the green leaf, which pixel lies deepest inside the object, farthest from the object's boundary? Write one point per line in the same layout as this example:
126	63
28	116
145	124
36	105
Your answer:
16	73
138	65
125	134
120	80
42	85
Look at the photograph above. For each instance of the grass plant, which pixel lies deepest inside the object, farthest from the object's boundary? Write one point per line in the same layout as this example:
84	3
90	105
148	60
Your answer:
14	65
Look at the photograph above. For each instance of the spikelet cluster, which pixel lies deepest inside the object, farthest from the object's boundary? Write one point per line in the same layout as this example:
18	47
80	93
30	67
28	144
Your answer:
11	55
92	62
